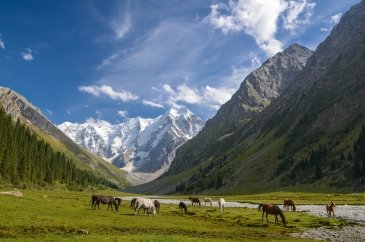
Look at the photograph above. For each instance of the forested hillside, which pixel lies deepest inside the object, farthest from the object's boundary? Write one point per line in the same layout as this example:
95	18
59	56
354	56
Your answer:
27	160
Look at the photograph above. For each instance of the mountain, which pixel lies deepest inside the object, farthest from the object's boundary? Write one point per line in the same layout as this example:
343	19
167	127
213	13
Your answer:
143	147
310	138
18	107
256	92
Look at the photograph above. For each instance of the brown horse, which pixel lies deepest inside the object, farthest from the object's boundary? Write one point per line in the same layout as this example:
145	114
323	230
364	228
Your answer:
272	209
194	200
330	209
157	206
97	199
288	203
182	206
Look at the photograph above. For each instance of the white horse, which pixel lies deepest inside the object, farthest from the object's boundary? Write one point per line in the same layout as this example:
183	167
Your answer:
146	204
221	204
208	200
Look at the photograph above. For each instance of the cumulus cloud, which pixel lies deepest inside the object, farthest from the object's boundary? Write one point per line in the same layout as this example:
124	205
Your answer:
122	113
152	104
259	19
208	96
335	19
108	91
27	54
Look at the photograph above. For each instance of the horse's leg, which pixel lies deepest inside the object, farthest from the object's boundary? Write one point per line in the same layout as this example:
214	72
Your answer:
262	217
266	217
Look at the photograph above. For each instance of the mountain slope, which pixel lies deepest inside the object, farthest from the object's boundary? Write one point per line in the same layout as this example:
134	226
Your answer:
143	147
304	140
256	92
18	107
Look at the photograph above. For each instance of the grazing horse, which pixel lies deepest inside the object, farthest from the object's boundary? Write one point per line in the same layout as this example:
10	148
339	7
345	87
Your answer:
146	204
330	209
194	200
272	209
133	201
182	206
97	199
157	206
221	204
208	200
119	200
289	204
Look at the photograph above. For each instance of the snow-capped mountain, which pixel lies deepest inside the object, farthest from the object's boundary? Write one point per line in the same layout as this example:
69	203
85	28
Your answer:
143	147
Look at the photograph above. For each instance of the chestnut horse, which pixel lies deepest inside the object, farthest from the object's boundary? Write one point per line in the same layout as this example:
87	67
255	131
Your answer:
194	200
272	209
330	209
288	203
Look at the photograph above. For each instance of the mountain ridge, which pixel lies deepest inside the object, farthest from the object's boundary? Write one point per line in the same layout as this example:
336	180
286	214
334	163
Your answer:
140	146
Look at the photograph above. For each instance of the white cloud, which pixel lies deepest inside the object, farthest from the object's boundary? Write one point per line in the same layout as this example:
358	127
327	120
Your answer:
259	18
297	13
325	29
152	104
108	61
335	19
27	54
49	111
122	24
220	95
208	96
255	60
108	91
2	44
122	113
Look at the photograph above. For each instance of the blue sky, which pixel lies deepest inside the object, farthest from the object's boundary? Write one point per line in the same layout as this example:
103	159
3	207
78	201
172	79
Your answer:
114	60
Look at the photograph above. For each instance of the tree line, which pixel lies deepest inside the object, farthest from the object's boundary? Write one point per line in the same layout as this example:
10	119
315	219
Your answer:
26	159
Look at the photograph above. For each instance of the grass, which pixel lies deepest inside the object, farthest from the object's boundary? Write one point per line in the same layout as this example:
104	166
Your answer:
57	215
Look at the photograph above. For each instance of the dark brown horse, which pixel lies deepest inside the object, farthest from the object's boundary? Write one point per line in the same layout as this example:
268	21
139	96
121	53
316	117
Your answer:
157	206
182	206
194	200
110	200
272	209
330	209
288	203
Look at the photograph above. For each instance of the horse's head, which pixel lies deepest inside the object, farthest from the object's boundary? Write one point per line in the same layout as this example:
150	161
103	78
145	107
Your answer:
333	204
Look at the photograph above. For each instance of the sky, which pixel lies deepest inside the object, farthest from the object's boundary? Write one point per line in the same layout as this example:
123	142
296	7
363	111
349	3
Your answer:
115	60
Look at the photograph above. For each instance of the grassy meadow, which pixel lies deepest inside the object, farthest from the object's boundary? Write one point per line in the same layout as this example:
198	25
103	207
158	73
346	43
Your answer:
57	215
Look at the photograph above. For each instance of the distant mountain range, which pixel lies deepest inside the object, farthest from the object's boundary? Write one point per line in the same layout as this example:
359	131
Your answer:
143	147
296	123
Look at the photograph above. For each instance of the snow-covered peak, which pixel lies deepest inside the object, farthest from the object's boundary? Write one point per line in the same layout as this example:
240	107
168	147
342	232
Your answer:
138	144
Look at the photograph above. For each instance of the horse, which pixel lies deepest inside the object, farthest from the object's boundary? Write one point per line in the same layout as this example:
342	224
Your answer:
221	204
330	209
157	206
119	200
289	204
133	201
97	199
272	209
182	206
145	203
208	200
194	200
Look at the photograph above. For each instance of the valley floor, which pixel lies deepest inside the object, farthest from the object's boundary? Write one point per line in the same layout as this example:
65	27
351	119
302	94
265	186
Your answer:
45	215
